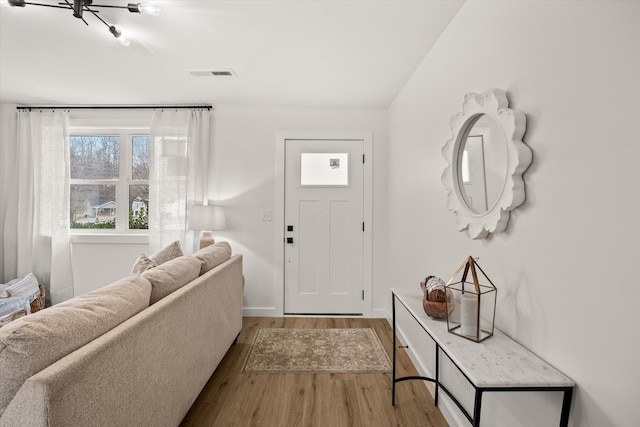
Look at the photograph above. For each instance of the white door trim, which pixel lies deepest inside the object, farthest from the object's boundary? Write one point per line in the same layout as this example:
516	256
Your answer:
278	211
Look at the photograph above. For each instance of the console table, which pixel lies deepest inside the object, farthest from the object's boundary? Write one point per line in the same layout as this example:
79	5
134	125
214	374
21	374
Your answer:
497	364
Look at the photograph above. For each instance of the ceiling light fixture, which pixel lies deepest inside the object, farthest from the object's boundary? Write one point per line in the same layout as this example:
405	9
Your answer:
80	6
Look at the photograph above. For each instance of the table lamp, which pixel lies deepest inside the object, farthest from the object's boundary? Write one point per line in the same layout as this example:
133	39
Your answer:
206	218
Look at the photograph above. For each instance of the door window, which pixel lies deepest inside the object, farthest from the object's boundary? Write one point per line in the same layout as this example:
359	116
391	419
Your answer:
324	169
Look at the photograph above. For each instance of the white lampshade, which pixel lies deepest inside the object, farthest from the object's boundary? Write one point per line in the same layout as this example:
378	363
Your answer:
206	217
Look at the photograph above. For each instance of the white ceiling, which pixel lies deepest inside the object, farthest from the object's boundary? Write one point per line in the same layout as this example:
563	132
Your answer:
285	53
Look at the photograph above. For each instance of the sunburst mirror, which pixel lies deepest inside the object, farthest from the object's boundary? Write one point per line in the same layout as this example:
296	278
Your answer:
486	158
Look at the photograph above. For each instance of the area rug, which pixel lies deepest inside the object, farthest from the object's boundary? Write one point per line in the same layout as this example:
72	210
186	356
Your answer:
317	350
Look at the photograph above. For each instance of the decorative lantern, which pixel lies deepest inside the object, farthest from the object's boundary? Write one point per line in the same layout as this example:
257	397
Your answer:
474	303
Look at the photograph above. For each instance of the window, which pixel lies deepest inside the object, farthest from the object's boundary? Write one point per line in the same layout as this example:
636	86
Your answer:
324	169
109	181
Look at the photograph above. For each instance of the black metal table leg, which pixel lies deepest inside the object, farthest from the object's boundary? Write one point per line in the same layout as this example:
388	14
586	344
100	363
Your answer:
393	372
566	406
477	407
437	381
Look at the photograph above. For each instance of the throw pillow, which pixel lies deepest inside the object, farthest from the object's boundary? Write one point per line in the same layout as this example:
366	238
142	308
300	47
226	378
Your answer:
142	264
167	253
212	256
12	316
171	276
224	245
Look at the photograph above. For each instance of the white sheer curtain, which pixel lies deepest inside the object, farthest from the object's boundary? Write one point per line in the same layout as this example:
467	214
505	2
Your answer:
178	173
36	228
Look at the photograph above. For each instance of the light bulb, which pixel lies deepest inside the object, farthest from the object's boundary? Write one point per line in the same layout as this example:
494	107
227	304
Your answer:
118	35
149	9
124	41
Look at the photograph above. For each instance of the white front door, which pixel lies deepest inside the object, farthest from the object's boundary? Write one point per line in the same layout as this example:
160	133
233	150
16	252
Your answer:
324	208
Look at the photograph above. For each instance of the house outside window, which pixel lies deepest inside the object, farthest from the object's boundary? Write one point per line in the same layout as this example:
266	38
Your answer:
109	180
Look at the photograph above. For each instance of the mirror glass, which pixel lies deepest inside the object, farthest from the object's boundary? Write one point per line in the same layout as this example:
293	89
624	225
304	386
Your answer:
482	163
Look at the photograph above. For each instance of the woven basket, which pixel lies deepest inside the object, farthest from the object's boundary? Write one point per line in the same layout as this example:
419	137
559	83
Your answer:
436	308
38	303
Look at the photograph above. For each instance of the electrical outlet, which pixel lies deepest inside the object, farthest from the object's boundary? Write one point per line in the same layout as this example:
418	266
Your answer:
266	215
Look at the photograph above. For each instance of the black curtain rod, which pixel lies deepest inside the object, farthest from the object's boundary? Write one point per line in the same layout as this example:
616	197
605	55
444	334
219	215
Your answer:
109	107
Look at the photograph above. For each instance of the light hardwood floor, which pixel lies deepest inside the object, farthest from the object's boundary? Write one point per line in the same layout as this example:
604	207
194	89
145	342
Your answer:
233	398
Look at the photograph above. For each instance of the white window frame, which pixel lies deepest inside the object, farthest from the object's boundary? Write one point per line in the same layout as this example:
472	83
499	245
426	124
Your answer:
125	166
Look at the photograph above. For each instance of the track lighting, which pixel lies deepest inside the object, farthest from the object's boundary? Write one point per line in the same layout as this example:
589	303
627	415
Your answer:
80	6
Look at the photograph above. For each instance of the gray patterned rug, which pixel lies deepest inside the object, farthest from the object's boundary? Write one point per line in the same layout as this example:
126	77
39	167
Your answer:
317	350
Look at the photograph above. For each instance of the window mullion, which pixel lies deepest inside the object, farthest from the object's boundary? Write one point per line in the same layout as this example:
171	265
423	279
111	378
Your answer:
122	195
93	181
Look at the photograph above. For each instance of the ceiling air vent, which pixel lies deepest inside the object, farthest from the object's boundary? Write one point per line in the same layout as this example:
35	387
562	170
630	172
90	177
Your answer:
220	72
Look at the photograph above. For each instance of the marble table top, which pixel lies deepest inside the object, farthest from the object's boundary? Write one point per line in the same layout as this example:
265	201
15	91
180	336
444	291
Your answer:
498	361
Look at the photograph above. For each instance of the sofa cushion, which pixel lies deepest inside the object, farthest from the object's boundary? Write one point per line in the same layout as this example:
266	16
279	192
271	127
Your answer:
167	253
171	275
31	343
213	255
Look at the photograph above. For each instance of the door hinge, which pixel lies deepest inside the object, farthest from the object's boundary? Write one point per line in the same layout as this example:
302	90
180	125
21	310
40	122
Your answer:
363	158
363	294
363	226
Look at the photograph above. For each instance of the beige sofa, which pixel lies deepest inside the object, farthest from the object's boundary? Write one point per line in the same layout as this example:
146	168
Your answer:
109	358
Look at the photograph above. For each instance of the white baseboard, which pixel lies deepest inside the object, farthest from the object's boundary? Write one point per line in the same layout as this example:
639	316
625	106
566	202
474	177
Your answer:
380	313
273	312
261	312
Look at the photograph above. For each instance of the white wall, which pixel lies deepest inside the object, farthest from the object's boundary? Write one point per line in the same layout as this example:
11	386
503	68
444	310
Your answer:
98	262
245	169
566	266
